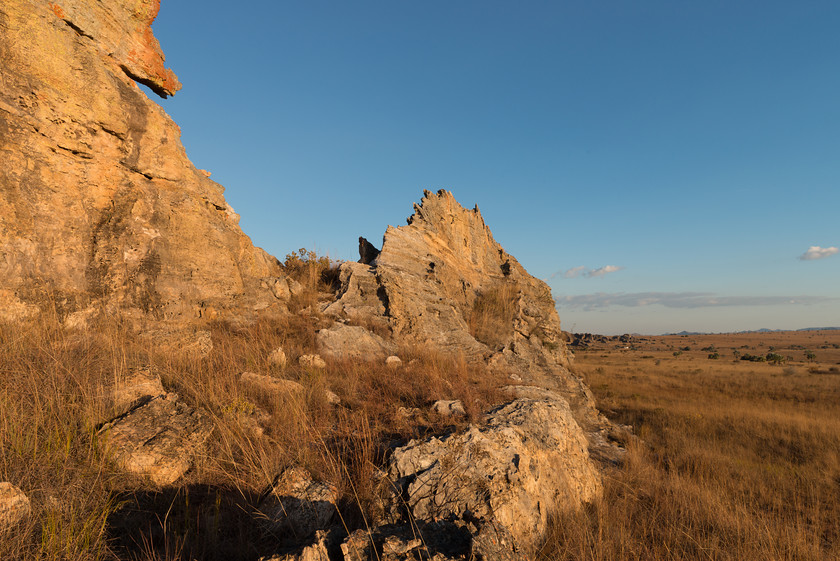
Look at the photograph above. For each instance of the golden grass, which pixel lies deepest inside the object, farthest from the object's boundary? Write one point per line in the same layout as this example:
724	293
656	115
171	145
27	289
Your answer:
53	398
739	460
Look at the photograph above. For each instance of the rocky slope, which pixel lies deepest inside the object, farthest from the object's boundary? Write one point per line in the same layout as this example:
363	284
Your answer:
443	280
99	204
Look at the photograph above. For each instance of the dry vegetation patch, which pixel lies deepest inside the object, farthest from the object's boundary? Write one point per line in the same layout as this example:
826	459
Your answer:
52	401
739	460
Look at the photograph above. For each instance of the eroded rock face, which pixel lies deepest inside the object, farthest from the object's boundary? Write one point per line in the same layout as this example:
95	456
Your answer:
98	201
529	458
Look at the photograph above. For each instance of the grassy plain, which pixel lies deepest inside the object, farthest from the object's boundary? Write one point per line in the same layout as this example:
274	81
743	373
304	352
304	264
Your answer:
737	459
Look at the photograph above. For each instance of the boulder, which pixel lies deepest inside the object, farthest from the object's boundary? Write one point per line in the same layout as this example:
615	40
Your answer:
527	460
277	357
351	342
297	504
274	385
158	439
98	200
312	361
449	408
14	505
393	362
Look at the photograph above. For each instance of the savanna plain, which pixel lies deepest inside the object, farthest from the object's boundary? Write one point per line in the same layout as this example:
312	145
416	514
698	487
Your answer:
735	458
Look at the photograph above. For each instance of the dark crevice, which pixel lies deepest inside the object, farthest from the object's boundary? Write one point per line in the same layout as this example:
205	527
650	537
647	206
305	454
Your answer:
77	29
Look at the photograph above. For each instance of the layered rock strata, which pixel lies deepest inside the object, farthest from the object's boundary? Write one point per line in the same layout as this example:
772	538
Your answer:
99	205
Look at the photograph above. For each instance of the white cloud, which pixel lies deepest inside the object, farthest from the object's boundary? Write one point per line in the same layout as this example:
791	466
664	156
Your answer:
600	272
678	300
817	252
574	272
582	271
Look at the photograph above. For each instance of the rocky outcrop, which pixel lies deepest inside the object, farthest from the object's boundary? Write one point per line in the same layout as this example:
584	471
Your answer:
14	506
158	439
527	460
99	205
442	281
350	342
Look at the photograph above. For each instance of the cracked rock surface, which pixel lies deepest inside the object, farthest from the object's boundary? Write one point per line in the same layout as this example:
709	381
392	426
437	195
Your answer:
97	196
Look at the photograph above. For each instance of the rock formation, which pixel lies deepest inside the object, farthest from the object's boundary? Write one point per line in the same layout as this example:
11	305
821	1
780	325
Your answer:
529	457
443	281
99	205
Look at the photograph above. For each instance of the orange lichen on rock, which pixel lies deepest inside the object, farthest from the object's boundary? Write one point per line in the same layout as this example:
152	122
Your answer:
57	10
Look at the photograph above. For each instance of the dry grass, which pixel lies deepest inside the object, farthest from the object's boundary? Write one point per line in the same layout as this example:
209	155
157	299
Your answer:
53	398
740	460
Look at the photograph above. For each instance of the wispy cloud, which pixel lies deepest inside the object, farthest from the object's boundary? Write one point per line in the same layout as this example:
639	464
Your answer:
574	272
582	271
599	300
601	271
817	252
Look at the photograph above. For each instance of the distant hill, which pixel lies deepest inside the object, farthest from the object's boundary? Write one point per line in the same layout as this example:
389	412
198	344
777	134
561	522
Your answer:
762	330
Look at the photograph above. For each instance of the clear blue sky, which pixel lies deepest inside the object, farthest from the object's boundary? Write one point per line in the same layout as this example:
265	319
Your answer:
663	165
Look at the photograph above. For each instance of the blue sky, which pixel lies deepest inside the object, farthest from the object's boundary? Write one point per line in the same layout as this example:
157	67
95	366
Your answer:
663	165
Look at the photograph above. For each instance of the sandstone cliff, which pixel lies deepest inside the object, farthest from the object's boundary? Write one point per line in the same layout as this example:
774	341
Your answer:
99	204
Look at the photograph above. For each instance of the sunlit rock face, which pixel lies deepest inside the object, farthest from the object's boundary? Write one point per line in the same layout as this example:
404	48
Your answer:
99	203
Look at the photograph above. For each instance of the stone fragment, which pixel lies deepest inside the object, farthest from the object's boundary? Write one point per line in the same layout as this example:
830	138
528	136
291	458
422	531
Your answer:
529	458
312	361
350	342
158	439
14	505
298	504
393	362
449	408
277	357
